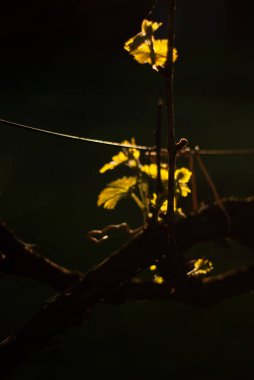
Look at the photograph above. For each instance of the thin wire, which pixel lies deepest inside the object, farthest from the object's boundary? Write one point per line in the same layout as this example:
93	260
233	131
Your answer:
152	9
149	149
72	137
194	192
213	152
226	152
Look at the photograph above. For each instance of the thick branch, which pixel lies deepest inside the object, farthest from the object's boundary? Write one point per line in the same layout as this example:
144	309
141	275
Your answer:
22	259
70	307
203	293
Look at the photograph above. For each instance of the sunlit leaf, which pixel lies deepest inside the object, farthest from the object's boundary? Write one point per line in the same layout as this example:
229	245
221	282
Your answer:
160	48
146	49
134	42
151	171
135	153
184	189
182	175
116	190
127	156
149	27
201	267
162	204
153	53
118	159
147	30
158	279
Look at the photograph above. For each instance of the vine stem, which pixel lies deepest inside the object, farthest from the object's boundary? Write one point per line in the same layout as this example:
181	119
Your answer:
158	146
169	76
173	263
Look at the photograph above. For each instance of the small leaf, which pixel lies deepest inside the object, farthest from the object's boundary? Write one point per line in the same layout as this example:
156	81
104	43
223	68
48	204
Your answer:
147	30
149	27
146	49
134	42
153	52
132	152
184	189
182	175
201	266
151	171
127	156
116	190
162	205
158	279
118	159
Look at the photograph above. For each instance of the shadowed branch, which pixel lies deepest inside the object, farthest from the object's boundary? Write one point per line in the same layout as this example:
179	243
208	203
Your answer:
111	280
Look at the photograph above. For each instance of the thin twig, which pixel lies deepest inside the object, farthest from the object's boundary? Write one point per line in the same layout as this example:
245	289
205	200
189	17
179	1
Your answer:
213	187
158	146
99	236
194	192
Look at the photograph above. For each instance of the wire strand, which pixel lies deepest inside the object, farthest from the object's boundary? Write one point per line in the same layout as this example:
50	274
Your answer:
152	8
151	150
73	137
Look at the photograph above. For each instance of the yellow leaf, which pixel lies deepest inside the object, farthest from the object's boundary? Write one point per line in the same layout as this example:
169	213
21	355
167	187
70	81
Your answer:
160	48
182	175
146	49
151	170
128	154
149	27
184	189
134	42
158	279
153	267
147	30
164	205
153	52
154	200
201	266
116	160
116	190
135	153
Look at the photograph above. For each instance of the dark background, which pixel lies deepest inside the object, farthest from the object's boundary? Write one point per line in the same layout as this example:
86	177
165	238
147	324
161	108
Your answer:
63	68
